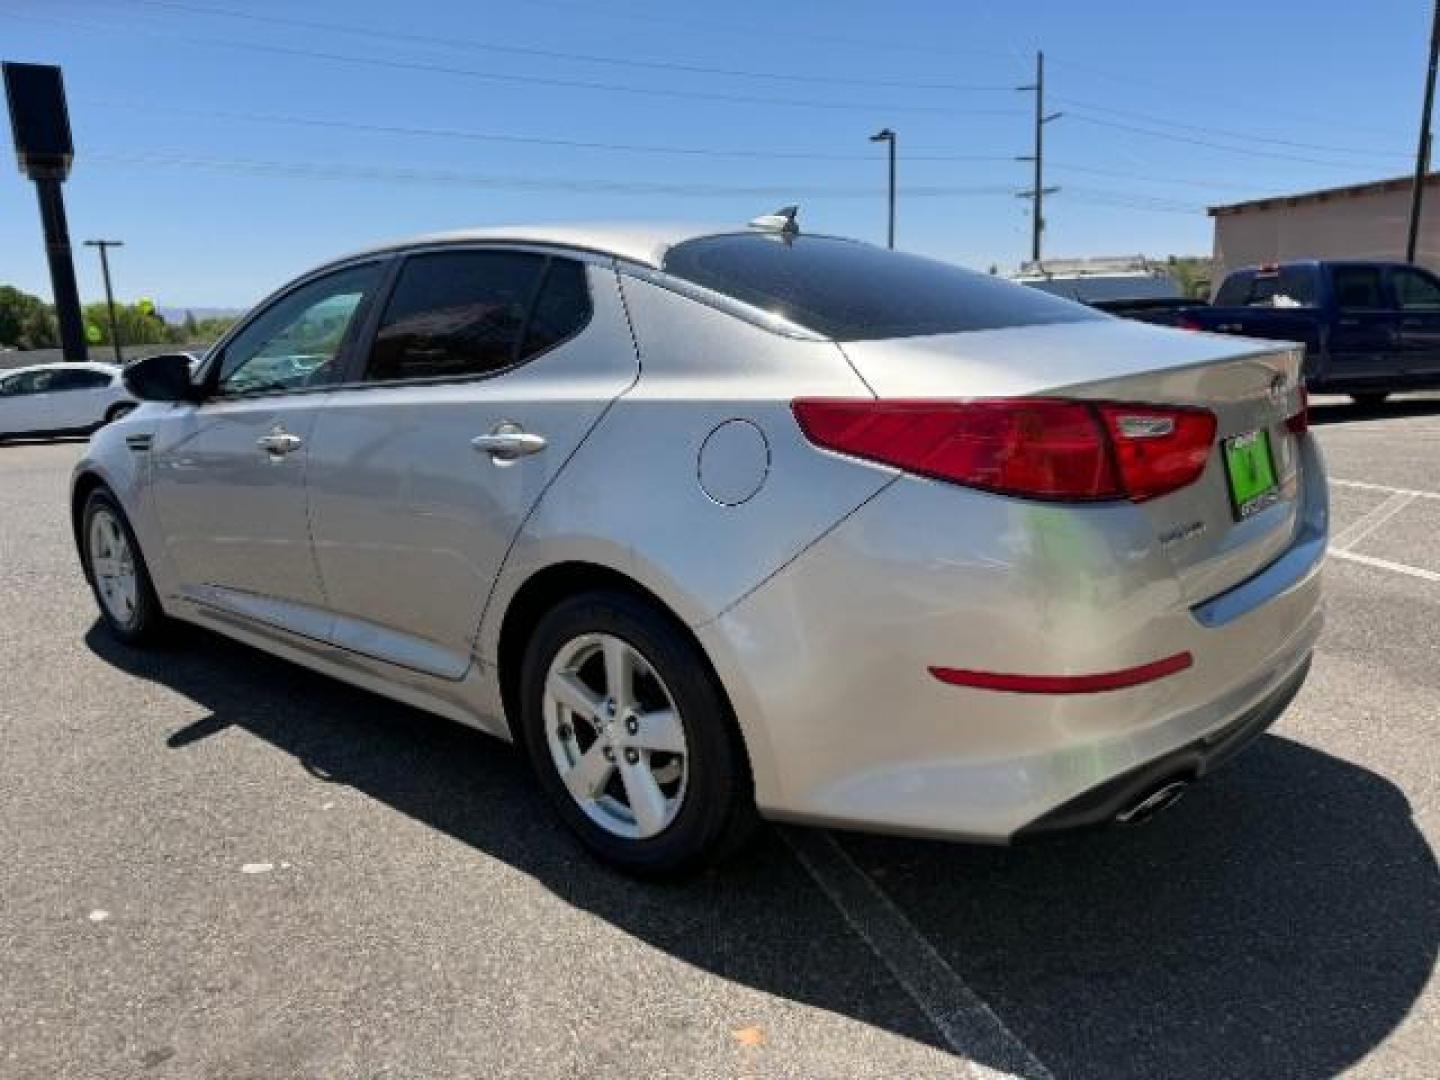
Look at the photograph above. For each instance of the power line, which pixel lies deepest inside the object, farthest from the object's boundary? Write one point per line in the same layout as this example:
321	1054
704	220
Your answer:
755	153
1243	151
329	170
1229	134
531	80
339	171
555	54
1215	185
1249	103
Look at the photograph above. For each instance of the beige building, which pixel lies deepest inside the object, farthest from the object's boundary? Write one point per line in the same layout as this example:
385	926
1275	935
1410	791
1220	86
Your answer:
1361	221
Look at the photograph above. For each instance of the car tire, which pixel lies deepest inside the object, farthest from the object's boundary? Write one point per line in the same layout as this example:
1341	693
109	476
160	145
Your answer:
116	571
116	411
1370	400
672	725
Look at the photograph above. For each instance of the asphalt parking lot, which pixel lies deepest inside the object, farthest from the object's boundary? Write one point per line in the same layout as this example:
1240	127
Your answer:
214	864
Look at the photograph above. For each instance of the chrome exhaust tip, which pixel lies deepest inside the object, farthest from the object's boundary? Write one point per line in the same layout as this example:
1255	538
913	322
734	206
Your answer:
1163	797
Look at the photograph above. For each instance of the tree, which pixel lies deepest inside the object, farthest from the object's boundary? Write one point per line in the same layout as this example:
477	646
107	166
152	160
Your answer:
26	321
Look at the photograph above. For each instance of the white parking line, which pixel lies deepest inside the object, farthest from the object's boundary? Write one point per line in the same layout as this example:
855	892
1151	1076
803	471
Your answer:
1365	485
969	1027
1386	564
1373	520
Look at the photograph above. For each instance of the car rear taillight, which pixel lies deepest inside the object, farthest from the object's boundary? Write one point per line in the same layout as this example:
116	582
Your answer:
1186	323
1159	450
1297	423
1040	448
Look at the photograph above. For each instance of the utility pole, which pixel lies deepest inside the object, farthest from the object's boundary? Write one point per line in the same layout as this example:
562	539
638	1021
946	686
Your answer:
886	135
1422	153
109	293
1038	191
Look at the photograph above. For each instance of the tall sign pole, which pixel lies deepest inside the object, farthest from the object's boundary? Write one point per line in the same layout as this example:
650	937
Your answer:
1422	153
41	126
1038	191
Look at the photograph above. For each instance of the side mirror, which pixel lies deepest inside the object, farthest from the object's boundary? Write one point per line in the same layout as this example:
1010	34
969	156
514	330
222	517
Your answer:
162	378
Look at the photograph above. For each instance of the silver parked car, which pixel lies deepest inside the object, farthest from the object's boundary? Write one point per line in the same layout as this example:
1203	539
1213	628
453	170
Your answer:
61	398
713	523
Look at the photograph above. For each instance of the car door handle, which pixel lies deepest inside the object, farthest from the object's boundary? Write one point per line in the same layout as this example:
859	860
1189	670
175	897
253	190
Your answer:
508	444
279	443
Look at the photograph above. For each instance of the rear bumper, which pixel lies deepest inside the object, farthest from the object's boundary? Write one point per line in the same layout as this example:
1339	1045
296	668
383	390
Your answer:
828	662
1101	805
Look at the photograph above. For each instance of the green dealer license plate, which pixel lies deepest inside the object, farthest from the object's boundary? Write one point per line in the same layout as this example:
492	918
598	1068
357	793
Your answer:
1251	471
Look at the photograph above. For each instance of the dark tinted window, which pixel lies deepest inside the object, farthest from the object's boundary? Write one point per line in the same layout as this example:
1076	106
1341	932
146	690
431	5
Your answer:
455	313
1234	291
851	291
1416	291
562	309
1357	286
78	380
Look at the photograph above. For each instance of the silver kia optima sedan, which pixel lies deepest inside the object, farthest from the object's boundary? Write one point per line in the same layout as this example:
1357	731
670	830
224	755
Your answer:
720	525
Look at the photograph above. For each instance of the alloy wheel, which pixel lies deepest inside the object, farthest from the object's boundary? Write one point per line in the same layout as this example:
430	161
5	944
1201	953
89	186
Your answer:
615	736
113	564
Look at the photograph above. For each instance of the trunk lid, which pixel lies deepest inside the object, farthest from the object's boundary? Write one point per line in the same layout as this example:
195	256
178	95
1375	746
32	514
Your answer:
1251	386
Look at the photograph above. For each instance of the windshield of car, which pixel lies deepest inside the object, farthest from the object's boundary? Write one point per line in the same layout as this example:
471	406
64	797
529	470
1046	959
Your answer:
851	291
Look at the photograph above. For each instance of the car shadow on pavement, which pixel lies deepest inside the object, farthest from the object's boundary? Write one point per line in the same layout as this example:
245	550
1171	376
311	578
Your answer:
1280	922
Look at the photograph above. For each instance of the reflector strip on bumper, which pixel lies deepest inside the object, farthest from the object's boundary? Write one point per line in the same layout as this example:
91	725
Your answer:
1065	684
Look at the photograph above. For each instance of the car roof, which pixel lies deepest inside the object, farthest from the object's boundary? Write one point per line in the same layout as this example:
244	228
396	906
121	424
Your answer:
66	365
643	242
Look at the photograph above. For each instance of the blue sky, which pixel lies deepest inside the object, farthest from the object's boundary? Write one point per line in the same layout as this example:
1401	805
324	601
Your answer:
231	153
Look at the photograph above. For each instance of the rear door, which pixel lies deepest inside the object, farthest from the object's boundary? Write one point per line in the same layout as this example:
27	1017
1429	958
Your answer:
1417	295
488	368
78	397
1364	348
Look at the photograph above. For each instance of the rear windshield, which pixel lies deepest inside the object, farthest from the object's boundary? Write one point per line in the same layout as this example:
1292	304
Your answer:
1285	287
853	292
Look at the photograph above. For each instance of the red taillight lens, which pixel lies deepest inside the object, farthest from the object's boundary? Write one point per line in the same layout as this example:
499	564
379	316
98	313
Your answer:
1299	422
1037	447
1159	450
1183	323
1042	448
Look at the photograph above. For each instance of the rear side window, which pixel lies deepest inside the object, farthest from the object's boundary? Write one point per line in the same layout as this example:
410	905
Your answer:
853	292
462	313
562	309
1357	287
79	380
1415	291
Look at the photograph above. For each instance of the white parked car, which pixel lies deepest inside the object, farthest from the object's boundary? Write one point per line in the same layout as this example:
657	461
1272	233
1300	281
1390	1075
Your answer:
63	398
718	523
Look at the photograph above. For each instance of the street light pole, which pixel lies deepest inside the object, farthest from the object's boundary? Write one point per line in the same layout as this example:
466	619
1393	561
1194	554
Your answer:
103	245
1422	153
886	135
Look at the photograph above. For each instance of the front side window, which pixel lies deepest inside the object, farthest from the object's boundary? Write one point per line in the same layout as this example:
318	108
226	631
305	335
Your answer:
297	341
456	313
851	291
1415	291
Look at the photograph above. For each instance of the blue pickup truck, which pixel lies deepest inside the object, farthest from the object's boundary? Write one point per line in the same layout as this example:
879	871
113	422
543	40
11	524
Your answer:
1369	328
